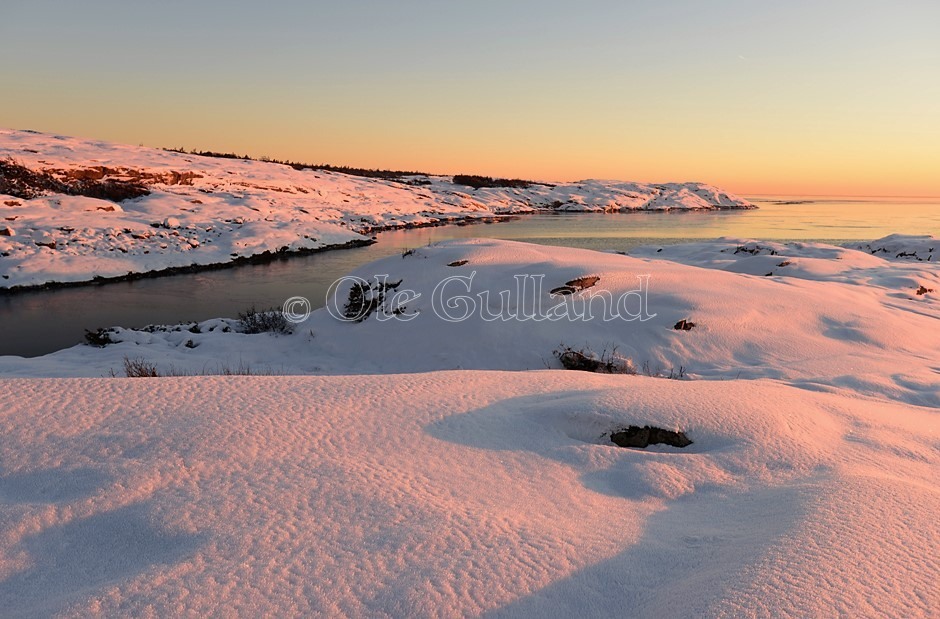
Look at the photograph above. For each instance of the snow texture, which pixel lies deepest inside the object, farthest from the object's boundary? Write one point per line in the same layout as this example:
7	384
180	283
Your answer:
462	493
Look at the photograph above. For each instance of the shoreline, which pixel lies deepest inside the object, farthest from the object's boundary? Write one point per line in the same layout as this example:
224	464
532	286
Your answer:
269	256
265	257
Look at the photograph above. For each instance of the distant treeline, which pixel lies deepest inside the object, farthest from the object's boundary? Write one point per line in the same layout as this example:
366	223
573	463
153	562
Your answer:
470	180
366	172
478	182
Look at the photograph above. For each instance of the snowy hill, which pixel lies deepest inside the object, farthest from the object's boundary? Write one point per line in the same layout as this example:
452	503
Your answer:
808	383
204	210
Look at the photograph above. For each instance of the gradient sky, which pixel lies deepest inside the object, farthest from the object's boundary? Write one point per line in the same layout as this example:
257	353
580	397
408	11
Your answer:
838	97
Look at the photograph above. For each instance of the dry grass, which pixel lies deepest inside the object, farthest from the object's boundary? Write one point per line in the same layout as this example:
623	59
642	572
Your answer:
586	360
138	367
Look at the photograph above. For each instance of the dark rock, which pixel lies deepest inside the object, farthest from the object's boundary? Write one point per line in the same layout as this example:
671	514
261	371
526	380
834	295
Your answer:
684	325
635	436
576	285
575	360
582	283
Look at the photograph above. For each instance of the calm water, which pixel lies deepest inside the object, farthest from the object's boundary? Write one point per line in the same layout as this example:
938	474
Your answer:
39	322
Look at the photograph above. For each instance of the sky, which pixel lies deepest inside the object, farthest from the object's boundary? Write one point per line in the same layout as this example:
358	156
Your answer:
826	97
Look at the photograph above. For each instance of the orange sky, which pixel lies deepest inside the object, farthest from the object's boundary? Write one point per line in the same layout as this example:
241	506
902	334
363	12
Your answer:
842	99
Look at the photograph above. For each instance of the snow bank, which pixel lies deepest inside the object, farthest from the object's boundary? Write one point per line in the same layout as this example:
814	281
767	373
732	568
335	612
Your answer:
204	210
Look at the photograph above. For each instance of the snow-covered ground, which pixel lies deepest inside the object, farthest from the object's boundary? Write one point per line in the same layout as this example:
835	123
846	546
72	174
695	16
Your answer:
461	493
204	210
810	388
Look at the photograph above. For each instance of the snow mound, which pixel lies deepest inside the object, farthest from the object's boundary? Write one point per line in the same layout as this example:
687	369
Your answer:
924	248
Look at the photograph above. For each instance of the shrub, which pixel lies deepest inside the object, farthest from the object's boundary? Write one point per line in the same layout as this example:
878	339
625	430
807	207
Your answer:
266	321
98	337
139	368
364	299
20	182
358	303
586	360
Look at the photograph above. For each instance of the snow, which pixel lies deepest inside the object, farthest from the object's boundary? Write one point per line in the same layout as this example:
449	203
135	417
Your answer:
832	319
414	464
204	210
460	493
811	396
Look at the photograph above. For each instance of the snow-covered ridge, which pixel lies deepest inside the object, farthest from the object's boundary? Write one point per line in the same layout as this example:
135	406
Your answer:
204	210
